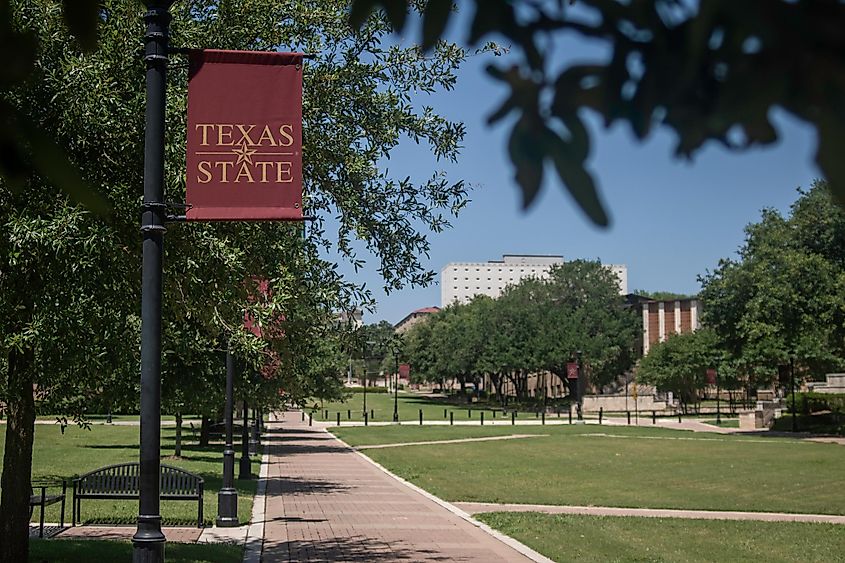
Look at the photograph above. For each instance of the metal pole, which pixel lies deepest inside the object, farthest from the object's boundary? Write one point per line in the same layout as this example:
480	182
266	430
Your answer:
718	399
792	379
244	464
148	541
227	498
396	388
580	387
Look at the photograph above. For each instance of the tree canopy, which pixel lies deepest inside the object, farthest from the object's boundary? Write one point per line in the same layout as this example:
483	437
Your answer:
535	326
784	294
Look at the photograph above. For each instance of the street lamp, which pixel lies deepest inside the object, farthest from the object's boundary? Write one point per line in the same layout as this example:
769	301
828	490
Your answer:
148	541
579	386
718	393
396	385
367	349
792	383
227	497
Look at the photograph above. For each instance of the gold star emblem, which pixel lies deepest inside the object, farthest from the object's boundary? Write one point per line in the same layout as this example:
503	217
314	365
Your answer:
244	153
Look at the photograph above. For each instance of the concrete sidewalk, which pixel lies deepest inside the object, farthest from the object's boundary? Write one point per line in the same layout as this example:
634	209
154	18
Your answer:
326	502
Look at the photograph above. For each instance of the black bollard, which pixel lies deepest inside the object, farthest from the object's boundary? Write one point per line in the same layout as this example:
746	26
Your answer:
420	417
679	418
629	416
494	414
482	418
653	417
601	413
469	413
570	415
372	414
451	418
544	417
536	414
348	414
338	419
310	419
444	414
513	418
302	416
365	418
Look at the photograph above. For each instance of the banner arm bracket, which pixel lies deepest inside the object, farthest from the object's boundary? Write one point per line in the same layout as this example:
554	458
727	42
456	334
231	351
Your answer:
187	51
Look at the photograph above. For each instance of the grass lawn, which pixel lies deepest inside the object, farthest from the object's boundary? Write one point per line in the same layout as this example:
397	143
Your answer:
85	551
409	408
630	539
77	451
616	466
726	422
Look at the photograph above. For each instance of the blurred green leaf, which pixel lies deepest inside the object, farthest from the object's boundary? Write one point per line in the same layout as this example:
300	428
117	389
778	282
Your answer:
81	17
435	17
578	181
53	164
527	156
361	10
829	154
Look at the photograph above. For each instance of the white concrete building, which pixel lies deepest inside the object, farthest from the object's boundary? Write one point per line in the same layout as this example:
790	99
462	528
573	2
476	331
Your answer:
461	281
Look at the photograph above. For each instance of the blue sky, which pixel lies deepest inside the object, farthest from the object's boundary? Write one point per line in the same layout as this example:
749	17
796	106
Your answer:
671	220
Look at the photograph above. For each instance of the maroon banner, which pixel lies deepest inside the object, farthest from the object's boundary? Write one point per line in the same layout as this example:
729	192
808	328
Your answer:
244	136
404	371
711	376
572	370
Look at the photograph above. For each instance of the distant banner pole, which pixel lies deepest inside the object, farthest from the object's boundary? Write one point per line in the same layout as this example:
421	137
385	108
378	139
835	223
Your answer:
244	138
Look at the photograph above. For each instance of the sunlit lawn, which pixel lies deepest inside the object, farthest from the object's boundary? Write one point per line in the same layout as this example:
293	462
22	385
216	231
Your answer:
616	466
409	406
77	451
637	540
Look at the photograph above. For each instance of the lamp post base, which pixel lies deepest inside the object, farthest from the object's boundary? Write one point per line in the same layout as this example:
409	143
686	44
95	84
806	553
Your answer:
227	508
148	541
244	468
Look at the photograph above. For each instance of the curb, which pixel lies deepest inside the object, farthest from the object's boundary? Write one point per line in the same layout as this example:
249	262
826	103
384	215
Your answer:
507	540
254	544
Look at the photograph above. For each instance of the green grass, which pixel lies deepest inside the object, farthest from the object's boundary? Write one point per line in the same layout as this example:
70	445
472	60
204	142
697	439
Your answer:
408	408
640	540
85	551
726	422
632	467
77	451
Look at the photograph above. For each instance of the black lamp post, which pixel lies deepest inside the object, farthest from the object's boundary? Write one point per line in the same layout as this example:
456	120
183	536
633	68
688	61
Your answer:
579	385
792	383
244	464
227	498
148	541
396	385
718	394
367	349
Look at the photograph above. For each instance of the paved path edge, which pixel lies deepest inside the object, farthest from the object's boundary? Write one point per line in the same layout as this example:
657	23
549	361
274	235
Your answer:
482	507
507	540
254	545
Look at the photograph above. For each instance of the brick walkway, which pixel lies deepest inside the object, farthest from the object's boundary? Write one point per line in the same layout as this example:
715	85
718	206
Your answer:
327	503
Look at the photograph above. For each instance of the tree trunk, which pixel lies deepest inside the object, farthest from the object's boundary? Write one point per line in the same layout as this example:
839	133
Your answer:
178	451
205	430
17	459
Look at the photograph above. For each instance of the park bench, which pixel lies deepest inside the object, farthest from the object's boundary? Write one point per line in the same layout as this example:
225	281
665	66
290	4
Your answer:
120	481
42	500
